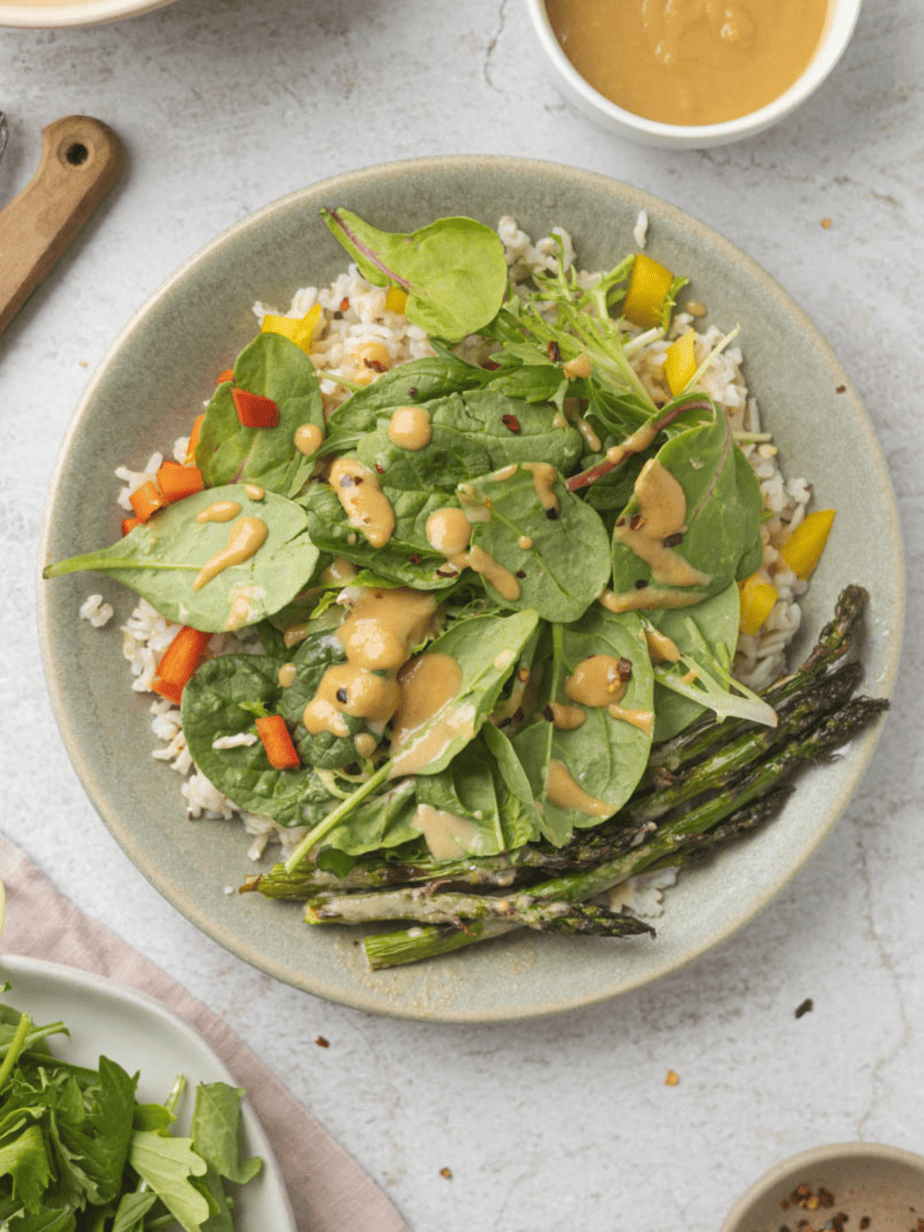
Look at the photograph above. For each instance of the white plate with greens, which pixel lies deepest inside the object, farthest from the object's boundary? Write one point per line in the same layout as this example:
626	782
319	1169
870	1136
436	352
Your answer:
166	360
142	1036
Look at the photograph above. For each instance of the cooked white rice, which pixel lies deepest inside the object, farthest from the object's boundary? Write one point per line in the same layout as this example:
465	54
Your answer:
357	327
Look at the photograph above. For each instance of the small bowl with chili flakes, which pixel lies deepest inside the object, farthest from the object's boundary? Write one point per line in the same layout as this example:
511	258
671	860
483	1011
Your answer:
689	75
848	1187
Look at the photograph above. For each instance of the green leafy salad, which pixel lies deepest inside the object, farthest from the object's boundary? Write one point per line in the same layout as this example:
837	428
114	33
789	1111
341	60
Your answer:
493	588
79	1152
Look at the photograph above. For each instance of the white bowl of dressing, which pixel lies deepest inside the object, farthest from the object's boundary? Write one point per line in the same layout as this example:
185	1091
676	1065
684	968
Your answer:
680	125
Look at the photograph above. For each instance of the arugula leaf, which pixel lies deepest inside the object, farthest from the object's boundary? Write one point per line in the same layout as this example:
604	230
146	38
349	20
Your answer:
453	270
167	1164
161	559
275	367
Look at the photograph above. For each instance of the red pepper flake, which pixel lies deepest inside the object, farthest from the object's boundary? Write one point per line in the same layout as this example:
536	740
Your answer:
490	365
414	558
671	1080
412	392
376	365
447	1173
511	423
345	303
322	1042
380	468
841	389
554	351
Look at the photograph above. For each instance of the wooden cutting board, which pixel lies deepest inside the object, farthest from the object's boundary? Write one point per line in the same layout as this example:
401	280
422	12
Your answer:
80	161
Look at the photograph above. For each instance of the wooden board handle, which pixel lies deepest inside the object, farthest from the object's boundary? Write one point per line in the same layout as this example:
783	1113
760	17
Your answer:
81	159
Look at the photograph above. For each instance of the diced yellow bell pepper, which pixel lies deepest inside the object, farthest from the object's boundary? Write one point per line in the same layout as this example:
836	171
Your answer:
299	329
395	300
757	598
802	550
680	363
649	284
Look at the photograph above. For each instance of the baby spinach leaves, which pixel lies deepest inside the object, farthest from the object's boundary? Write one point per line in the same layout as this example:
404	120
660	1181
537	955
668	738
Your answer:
605	756
219	706
717	532
554	546
161	559
274	367
454	270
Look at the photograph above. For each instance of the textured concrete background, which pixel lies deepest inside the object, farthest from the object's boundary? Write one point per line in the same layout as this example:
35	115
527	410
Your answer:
225	105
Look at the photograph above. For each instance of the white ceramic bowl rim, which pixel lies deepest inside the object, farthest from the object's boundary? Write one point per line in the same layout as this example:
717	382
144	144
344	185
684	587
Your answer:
44	14
843	20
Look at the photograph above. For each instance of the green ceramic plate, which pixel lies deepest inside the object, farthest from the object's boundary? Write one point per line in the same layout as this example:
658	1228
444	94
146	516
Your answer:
146	1038
154	380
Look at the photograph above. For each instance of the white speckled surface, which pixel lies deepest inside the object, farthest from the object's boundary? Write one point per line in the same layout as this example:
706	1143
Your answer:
225	105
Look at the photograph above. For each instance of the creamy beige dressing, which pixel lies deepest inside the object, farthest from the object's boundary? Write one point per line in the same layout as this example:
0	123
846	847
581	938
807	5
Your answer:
652	530
409	427
598	680
384	626
254	491
638	442
444	833
428	683
544	476
219	511
448	531
642	719
358	692
661	648
287	675
578	367
339	572
647	599
247	535
505	473
689	61
365	744
367	507
567	718
524	542
565	791
307	438
243	604
500	577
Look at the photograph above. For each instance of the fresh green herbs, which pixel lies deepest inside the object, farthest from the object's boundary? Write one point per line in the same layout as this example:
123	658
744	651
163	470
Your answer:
77	1150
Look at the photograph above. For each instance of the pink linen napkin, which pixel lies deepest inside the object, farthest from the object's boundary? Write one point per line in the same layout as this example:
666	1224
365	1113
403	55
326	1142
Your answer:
329	1192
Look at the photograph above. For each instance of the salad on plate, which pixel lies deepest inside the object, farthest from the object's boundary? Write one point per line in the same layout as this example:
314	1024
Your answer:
485	628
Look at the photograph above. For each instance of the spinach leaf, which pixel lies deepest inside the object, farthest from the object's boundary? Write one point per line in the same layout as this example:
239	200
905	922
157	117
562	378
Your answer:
606	756
407	559
485	649
384	820
417	381
454	270
161	559
275	367
219	704
485	785
554	545
720	530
